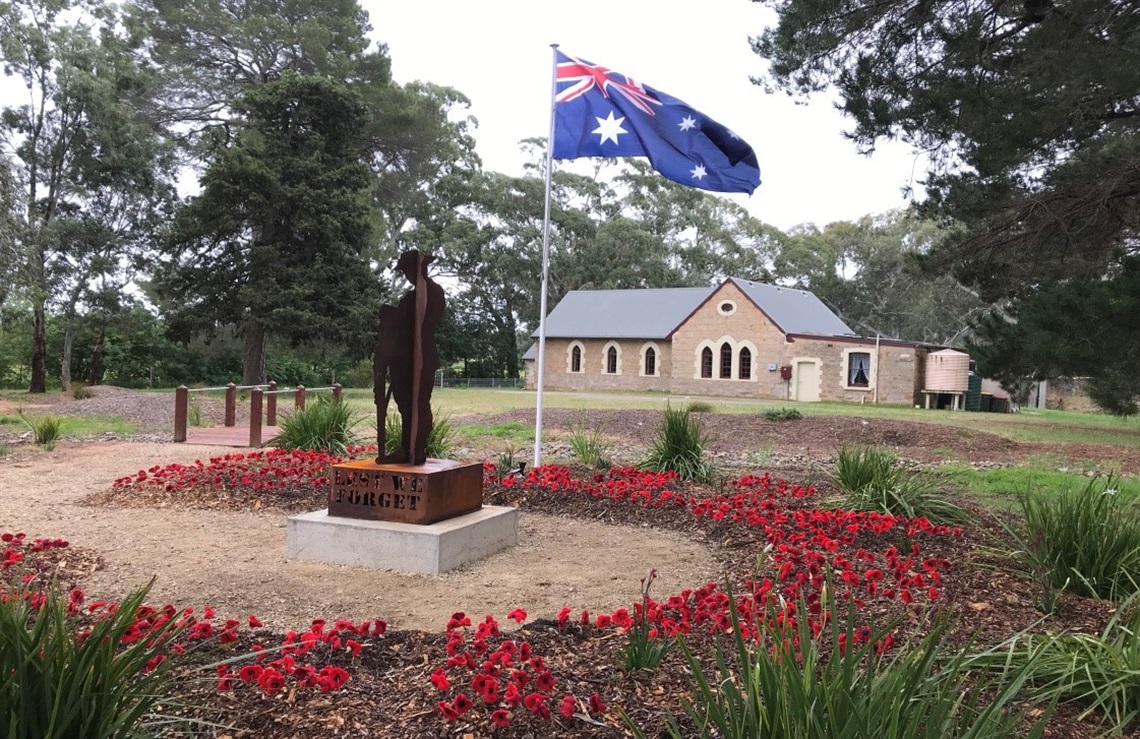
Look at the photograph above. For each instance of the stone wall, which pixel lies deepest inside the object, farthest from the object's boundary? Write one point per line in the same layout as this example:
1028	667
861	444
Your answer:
744	326
729	316
593	375
897	370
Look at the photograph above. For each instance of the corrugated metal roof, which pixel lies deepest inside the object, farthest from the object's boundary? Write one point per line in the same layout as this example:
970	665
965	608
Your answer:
623	314
655	313
794	311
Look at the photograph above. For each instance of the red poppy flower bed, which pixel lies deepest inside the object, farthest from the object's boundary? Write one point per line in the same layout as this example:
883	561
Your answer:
561	674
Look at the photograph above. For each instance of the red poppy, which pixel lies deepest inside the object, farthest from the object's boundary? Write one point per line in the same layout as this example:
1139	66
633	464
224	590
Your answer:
544	682
250	673
596	705
254	622
501	717
518	614
566	708
271	681
439	680
448	712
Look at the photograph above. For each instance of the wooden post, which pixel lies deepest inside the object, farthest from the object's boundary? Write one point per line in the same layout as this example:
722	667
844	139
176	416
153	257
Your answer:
299	398
231	404
271	405
336	391
181	409
255	417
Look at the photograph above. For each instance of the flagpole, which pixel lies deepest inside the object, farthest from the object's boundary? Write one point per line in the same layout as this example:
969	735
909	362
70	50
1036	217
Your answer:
541	365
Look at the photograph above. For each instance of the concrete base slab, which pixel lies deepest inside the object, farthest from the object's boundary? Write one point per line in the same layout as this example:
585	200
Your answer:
386	545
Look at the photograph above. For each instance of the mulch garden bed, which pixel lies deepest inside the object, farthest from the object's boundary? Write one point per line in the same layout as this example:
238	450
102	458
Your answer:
390	692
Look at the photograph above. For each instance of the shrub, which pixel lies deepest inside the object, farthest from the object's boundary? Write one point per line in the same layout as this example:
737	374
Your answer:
680	446
782	681
700	406
325	424
59	685
440	441
46	430
782	414
589	448
1086	541
872	480
80	391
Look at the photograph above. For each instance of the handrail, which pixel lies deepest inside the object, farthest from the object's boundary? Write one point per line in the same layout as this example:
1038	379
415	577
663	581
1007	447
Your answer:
256	402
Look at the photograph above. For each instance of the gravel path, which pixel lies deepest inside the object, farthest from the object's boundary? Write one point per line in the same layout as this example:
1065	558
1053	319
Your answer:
235	561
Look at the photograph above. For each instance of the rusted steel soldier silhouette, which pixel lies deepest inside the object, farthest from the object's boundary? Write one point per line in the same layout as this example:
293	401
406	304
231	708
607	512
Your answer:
406	353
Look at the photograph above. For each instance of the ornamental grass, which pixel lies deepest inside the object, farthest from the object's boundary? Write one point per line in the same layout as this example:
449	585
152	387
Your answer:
1084	541
777	677
679	446
872	480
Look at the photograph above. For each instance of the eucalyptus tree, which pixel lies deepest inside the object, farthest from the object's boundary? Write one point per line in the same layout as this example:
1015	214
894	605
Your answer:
708	236
79	139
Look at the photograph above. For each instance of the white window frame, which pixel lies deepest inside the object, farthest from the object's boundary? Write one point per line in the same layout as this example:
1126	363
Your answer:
606	355
656	359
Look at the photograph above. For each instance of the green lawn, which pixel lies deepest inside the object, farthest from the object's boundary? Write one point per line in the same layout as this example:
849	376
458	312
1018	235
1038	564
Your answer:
1002	487
78	425
1060	427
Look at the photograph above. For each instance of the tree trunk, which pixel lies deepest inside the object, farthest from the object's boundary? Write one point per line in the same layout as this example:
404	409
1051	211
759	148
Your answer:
65	358
95	373
39	350
253	362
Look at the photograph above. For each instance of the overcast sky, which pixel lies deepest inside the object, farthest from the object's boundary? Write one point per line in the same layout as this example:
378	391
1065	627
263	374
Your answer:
497	52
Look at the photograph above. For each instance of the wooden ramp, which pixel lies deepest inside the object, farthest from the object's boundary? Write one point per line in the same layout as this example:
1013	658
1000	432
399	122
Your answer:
237	436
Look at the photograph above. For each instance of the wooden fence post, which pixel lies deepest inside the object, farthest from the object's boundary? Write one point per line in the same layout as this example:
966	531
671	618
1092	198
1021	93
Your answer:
231	404
181	409
255	417
299	398
271	405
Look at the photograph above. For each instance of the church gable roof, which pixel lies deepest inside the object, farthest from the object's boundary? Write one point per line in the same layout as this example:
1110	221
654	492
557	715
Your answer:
656	313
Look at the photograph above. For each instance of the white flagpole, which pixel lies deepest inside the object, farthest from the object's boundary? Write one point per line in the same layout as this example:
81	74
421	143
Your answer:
541	365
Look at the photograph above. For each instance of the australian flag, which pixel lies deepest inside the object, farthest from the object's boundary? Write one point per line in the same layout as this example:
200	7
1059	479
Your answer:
601	113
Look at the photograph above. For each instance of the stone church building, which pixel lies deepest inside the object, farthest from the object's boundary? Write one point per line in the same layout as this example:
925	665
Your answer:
739	339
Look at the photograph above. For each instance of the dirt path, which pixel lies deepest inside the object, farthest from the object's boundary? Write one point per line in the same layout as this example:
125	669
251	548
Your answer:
236	562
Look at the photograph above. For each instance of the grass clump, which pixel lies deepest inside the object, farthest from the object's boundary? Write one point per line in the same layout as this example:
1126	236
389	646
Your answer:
777	679
324	424
1086	541
194	414
1101	672
782	414
46	430
646	646
679	445
57	685
440	440
701	406
80	391
872	480
589	447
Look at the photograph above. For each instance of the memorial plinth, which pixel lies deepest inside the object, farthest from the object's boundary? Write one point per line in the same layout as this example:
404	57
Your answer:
426	518
429	549
417	494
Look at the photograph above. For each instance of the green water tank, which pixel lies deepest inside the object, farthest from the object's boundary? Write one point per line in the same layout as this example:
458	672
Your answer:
974	392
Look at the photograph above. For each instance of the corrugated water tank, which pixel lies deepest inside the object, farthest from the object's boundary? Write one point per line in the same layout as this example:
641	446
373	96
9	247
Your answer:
948	371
